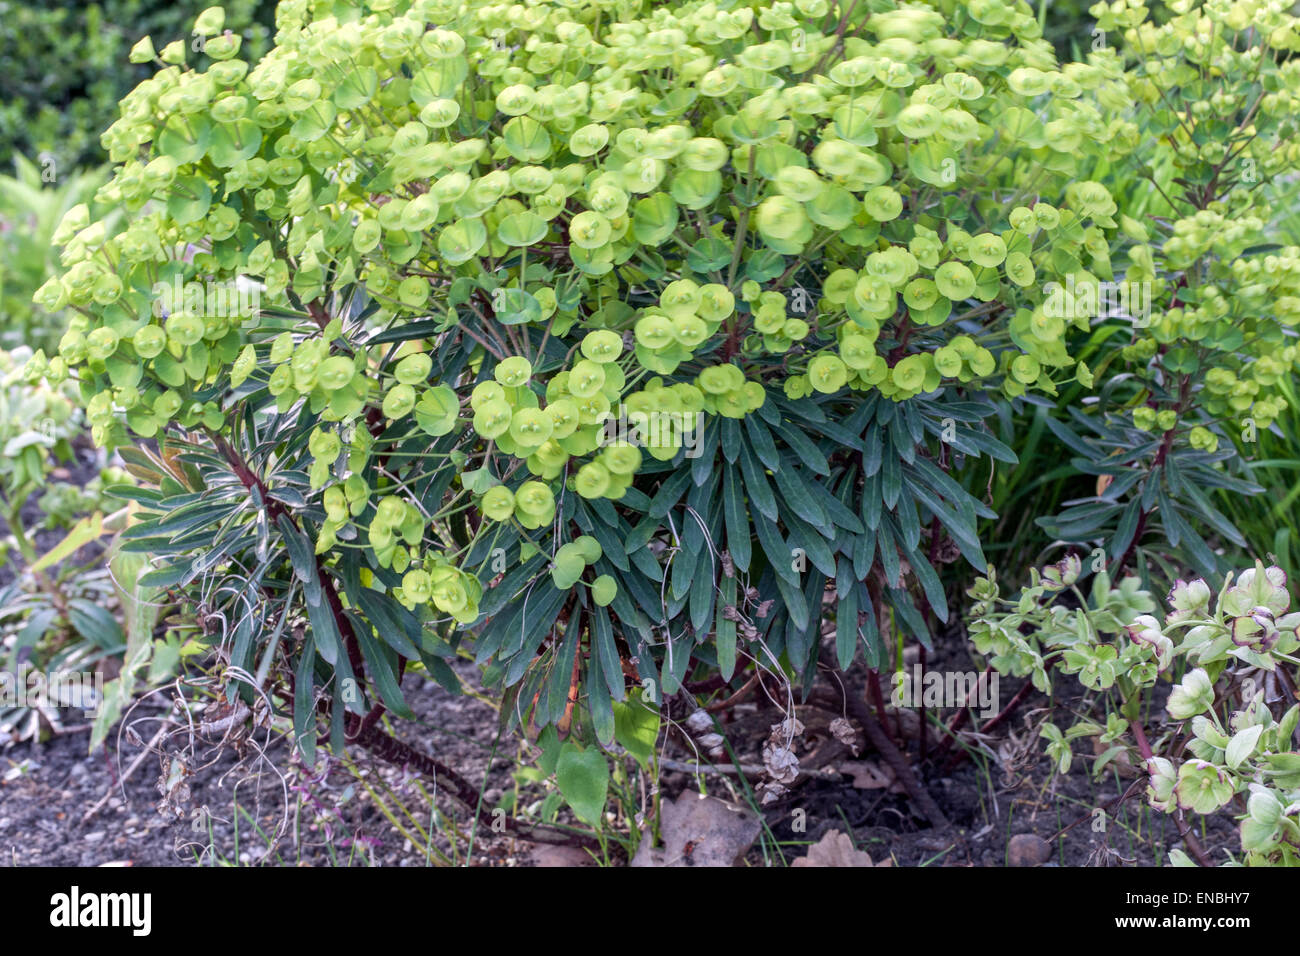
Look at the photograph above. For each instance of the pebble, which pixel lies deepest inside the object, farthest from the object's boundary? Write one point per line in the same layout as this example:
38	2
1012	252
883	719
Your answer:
1028	849
566	856
933	844
95	837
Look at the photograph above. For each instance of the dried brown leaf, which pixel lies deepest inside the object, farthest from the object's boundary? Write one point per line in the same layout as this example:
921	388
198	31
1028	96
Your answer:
836	848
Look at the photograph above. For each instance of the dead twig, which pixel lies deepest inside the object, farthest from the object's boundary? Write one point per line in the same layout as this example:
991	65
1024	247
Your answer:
748	770
149	748
735	698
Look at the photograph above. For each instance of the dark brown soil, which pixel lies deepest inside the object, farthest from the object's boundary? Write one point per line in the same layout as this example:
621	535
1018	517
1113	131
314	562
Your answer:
286	816
253	803
331	819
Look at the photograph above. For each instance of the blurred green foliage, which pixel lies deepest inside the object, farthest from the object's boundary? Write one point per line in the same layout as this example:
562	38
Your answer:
30	210
1069	27
64	67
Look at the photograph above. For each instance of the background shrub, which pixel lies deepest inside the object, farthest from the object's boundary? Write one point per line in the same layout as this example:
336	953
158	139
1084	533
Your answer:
65	68
30	211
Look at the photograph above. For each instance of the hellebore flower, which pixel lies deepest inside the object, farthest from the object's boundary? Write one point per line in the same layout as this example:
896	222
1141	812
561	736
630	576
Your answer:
1145	629
1193	696
1063	573
1160	792
1188	600
1202	787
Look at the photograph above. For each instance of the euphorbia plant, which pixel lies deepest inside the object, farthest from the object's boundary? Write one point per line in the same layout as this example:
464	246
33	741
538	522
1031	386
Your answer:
790	244
1193	376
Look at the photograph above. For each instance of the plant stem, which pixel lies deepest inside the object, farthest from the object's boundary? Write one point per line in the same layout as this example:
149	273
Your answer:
898	763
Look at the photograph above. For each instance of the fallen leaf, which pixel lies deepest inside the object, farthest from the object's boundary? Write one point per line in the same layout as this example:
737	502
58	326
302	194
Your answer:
700	831
836	848
868	775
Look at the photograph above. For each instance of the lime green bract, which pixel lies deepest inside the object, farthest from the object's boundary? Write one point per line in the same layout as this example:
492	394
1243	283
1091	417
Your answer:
487	234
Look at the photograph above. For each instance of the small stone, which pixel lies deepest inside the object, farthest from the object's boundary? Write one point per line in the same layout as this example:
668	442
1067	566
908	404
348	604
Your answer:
564	856
95	837
1028	849
933	844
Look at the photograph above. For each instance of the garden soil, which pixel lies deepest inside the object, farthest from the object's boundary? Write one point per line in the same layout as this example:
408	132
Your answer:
238	806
